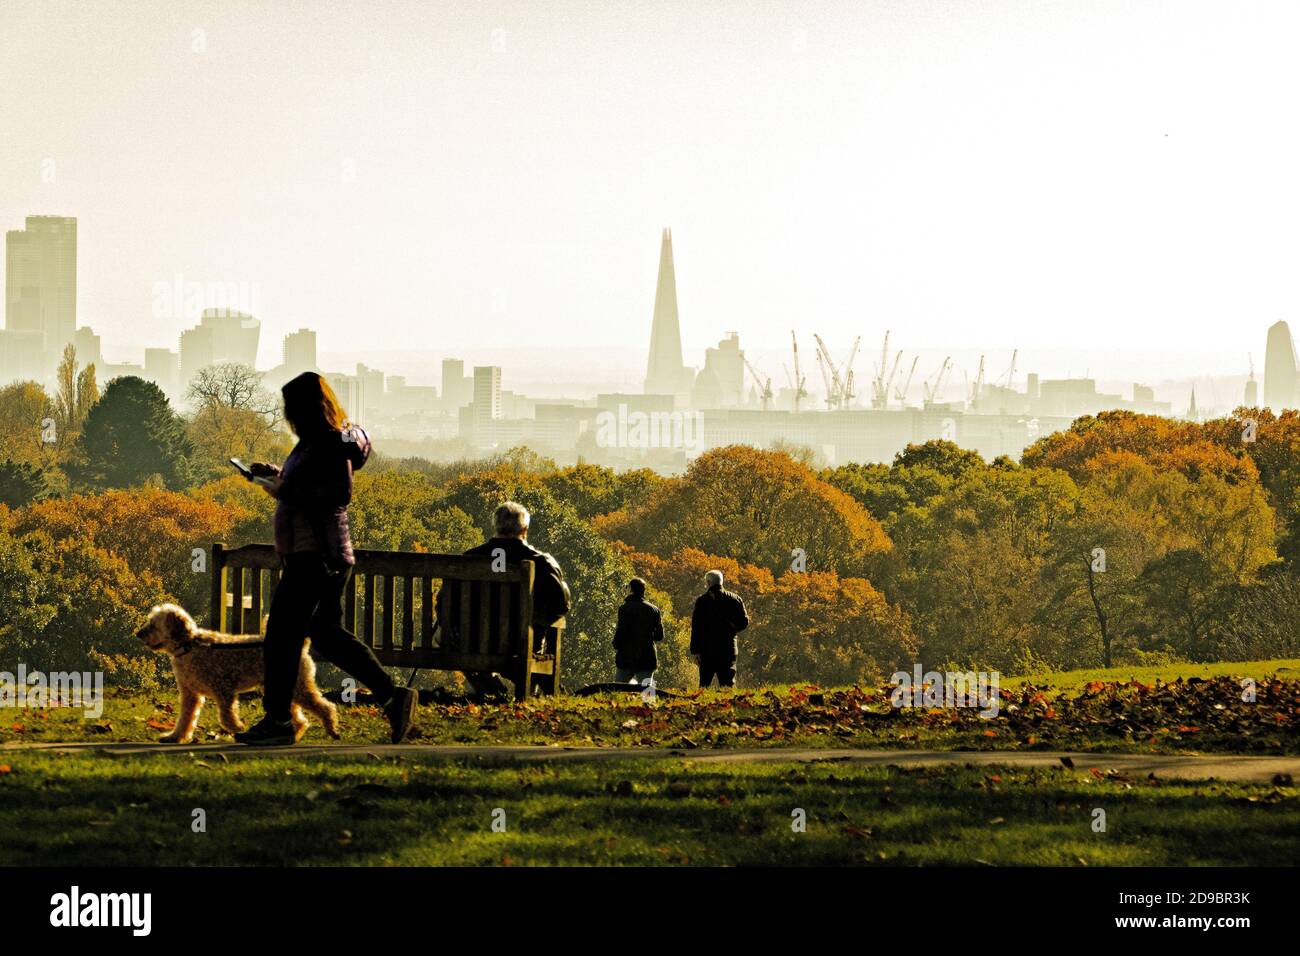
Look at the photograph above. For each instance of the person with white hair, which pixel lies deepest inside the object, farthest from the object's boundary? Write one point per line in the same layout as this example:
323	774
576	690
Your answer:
719	615
551	597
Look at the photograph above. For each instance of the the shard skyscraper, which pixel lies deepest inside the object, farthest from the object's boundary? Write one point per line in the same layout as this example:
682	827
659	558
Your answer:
665	374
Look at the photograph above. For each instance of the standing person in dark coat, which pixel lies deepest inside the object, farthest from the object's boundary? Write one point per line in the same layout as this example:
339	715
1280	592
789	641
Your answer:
718	617
640	627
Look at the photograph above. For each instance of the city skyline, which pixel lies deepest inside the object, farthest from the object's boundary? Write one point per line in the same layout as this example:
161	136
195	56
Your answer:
41	290
504	176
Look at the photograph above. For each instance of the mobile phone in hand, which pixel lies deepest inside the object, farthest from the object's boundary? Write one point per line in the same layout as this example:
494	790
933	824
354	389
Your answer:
248	473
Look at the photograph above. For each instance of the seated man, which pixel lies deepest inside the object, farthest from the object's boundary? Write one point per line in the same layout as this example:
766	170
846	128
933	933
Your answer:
551	599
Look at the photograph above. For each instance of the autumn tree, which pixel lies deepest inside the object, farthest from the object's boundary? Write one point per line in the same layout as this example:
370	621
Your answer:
97	599
152	530
820	627
74	395
27	424
234	416
758	507
1111	561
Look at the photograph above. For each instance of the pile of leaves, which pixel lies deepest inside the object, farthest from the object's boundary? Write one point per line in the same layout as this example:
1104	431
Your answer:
1218	713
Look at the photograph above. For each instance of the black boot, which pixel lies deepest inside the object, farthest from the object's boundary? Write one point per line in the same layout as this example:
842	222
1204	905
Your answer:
268	733
400	711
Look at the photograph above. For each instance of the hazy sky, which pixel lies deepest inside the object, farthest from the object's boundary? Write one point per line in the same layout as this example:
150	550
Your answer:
1089	175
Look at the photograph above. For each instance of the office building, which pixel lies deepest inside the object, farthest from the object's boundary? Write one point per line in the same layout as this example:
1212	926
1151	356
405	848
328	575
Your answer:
163	368
457	387
299	353
487	394
1279	368
41	287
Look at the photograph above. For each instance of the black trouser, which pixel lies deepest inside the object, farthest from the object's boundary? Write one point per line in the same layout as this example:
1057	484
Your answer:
308	602
723	667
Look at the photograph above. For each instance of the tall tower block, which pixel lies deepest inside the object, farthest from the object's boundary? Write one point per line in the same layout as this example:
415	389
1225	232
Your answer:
665	373
1279	368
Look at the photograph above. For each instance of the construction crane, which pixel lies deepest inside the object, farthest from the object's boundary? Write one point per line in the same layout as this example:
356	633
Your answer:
831	390
888	382
879	394
979	383
901	393
764	385
798	384
1009	375
848	393
830	374
932	389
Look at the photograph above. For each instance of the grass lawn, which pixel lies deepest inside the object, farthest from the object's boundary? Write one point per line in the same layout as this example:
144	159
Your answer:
1072	680
1116	710
101	810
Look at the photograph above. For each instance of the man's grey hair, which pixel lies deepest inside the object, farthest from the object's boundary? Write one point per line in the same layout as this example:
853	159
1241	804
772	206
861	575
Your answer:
511	519
713	578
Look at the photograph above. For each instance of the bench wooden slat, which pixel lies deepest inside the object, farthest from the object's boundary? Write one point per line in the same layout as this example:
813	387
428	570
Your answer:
255	612
408	612
237	601
505	639
368	611
387	636
426	611
217	595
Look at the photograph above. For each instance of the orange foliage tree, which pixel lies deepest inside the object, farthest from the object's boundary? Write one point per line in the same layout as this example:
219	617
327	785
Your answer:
152	530
814	626
758	507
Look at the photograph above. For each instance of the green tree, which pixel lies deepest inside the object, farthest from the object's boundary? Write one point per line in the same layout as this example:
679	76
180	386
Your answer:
1188	605
131	437
25	596
21	483
945	457
970	562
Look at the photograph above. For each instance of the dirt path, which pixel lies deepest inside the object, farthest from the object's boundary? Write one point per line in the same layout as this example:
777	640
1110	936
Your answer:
1261	770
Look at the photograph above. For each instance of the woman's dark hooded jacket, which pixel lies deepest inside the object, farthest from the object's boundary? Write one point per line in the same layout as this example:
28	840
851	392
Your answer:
311	512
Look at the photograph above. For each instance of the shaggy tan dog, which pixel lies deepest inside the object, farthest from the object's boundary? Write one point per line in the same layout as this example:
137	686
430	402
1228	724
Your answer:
222	666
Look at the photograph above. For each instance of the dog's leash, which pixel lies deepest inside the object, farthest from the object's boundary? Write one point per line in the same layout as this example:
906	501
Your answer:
217	645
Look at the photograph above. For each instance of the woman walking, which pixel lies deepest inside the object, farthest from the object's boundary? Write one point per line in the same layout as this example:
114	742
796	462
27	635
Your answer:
312	492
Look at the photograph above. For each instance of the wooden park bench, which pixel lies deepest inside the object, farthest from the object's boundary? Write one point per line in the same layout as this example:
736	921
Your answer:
391	603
